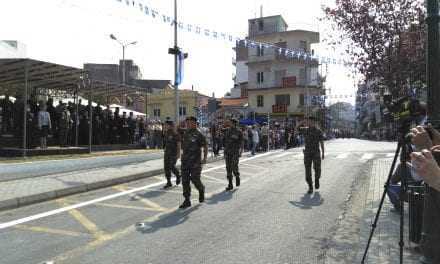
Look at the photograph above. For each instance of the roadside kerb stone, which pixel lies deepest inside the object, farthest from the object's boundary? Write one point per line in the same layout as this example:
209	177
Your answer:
54	194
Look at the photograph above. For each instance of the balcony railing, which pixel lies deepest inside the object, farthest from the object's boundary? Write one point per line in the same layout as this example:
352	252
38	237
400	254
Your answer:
279	108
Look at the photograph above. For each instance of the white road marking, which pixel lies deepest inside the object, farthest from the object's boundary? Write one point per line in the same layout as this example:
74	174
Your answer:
342	156
390	155
283	154
105	198
367	157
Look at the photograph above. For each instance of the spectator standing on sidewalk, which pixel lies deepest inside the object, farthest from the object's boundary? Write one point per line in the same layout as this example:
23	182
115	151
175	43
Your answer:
44	125
264	136
255	139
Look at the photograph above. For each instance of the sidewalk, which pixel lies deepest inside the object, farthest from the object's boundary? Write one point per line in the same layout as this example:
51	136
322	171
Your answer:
23	192
347	242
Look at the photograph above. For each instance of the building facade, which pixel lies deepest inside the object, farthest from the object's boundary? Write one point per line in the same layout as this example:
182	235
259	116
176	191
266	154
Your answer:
161	105
12	49
277	84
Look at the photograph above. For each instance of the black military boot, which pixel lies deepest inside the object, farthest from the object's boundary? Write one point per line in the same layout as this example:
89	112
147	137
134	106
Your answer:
317	184
202	196
230	186
168	185
237	181
185	204
310	191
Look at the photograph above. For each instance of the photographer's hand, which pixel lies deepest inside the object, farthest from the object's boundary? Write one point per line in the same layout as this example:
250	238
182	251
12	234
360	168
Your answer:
420	138
435	135
426	166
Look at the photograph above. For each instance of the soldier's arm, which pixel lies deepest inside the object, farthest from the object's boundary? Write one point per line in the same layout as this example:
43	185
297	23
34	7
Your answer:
205	149
179	146
321	141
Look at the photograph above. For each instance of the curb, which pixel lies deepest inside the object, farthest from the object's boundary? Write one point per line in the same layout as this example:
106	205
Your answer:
51	195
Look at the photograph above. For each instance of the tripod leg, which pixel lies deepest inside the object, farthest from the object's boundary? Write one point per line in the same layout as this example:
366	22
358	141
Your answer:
376	219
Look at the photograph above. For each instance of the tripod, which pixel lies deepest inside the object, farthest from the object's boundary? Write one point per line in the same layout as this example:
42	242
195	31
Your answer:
403	147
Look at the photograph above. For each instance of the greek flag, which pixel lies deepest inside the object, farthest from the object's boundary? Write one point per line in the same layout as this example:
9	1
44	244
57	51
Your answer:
179	72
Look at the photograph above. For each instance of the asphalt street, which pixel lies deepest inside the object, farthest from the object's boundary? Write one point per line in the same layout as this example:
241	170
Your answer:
43	168
269	219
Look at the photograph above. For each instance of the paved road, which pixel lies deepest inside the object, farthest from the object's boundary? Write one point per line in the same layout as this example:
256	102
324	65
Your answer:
43	168
269	219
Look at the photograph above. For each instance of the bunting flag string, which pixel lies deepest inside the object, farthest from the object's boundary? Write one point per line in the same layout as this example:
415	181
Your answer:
201	31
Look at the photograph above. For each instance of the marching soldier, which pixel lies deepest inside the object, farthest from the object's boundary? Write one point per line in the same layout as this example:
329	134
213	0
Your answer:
172	153
192	143
233	142
313	140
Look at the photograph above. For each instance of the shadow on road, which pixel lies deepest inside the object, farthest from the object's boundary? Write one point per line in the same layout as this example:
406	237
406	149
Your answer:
308	201
221	197
169	220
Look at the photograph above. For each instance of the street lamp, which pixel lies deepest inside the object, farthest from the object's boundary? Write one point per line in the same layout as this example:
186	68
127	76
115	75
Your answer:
124	45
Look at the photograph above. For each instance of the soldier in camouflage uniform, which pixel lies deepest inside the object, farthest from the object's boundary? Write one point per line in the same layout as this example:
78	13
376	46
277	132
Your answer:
192	143
313	138
233	143
172	153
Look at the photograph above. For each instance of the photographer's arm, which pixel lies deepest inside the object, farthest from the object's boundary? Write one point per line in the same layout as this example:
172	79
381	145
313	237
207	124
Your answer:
420	138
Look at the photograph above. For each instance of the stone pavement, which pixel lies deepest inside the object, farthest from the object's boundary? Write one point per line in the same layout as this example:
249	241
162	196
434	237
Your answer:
23	192
346	244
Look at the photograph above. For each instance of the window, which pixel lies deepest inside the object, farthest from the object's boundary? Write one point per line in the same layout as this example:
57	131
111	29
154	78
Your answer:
260	101
261	25
282	99
301	99
260	50
303	45
302	76
182	110
260	77
156	112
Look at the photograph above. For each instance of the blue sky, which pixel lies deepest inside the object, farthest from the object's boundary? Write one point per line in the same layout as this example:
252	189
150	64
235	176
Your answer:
72	32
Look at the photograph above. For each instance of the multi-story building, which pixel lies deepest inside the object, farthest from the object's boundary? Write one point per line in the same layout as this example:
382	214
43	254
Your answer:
12	49
277	84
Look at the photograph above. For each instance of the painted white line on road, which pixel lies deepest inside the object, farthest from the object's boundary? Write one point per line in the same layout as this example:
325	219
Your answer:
105	198
283	154
342	156
390	155
367	157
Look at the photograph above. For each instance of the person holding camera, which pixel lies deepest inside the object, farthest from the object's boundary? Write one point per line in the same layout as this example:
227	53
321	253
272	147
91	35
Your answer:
425	163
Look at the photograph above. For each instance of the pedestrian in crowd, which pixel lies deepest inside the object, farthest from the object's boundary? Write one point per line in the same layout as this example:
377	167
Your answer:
84	129
124	132
141	128
44	125
244	131
313	140
7	113
98	129
192	143
64	125
172	153
131	128
233	143
255	139
215	140
264	136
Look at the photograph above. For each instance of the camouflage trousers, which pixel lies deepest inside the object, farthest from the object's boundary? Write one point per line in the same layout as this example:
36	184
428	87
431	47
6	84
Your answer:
315	159
170	166
232	160
191	174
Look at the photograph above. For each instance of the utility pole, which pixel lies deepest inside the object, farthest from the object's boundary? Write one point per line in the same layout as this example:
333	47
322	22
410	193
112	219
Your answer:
178	59
431	216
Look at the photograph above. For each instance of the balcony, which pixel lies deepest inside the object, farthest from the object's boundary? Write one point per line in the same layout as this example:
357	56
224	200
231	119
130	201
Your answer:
277	109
